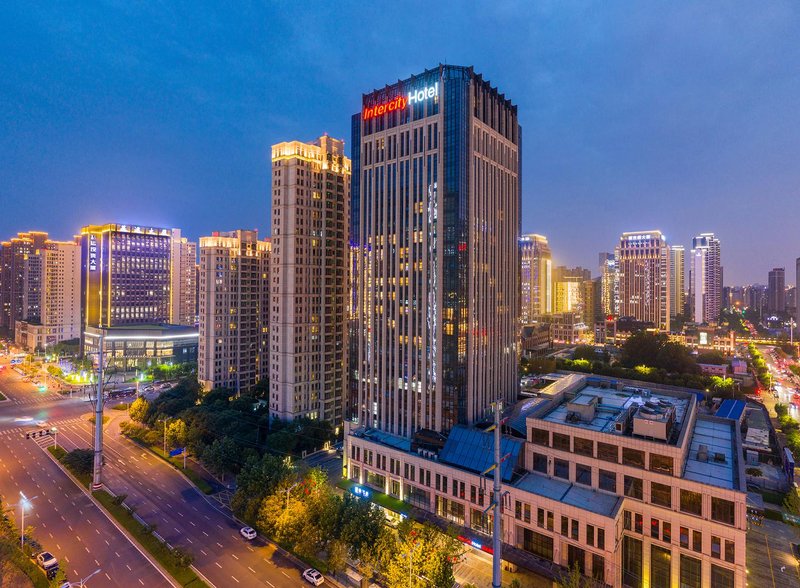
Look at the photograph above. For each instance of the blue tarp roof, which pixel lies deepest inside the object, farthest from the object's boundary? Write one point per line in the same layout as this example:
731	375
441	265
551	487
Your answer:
731	409
473	450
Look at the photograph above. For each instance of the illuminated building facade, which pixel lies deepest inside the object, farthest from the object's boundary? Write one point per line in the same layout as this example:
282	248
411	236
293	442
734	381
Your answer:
677	288
776	290
51	297
125	275
609	285
183	307
309	280
644	277
234	310
705	279
535	277
131	347
435	215
14	255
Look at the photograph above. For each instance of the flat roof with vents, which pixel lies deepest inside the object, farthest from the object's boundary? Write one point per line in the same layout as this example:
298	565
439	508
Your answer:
711	458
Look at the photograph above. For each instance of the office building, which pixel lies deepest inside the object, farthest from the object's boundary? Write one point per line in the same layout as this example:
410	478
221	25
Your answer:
677	288
139	346
705	279
634	487
51	296
644	277
568	288
183	307
436	217
125	275
233	349
309	280
776	290
609	285
13	257
535	277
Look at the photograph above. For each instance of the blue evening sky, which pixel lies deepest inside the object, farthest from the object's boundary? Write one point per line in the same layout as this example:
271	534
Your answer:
682	116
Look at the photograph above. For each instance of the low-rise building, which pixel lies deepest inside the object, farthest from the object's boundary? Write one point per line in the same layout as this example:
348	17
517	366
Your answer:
633	486
132	347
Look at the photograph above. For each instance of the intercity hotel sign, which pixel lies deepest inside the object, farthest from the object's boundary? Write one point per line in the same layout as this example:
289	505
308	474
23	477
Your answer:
401	102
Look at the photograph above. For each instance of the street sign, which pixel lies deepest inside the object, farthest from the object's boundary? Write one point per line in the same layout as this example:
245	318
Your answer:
175	452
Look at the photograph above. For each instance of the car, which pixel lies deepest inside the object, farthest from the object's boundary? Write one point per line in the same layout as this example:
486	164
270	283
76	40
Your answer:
46	560
312	576
248	533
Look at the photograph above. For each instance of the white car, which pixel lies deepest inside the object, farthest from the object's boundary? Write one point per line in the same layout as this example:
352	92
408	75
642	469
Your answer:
46	560
248	533
313	576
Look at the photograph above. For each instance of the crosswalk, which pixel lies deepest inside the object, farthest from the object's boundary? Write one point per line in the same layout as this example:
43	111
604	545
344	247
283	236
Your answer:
17	432
36	399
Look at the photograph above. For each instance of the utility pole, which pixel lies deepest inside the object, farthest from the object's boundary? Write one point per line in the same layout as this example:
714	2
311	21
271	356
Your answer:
97	477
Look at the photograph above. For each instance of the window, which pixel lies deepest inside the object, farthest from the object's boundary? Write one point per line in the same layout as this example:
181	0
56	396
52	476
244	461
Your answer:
598	568
692	502
633	487
526	516
540	437
661	463
575	530
540	517
691	572
655	531
730	551
632	457
583	446
590	535
607	452
518	510
561	468
601	538
661	494
608	481
583	474
631	561
564	526
722	510
721	577
660	567
684	537
627	517
538	544
549	520
561	441
540	463
716	547
666	532
697	541
638	523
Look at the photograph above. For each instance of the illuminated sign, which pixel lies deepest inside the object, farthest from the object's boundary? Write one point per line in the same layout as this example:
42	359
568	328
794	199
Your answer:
400	102
475	544
92	253
361	491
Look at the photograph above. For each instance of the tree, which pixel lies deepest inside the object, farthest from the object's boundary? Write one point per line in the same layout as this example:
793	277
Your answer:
79	461
713	357
139	409
573	579
257	478
221	456
176	433
674	358
283	514
792	501
642	349
586	352
337	556
423	556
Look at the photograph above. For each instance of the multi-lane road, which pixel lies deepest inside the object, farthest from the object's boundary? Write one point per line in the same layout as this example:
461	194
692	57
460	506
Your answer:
75	530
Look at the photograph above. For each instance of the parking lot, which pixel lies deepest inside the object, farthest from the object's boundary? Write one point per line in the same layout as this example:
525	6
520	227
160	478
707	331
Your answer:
770	563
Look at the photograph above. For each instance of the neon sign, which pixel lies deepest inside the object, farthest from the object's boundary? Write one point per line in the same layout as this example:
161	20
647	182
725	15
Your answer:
360	491
475	544
400	102
92	253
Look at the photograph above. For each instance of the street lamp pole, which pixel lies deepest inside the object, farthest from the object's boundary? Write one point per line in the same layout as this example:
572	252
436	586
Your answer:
97	474
165	419
24	501
55	435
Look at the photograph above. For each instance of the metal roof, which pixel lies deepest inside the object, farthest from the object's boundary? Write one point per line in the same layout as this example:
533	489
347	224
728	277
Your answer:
473	450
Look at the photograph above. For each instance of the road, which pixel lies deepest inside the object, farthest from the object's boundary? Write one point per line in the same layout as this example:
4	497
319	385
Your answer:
64	519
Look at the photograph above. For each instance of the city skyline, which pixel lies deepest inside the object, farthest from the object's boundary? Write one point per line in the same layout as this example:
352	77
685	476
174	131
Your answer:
611	138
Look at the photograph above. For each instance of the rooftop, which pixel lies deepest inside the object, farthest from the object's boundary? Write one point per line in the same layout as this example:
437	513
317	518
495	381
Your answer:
711	458
568	493
596	408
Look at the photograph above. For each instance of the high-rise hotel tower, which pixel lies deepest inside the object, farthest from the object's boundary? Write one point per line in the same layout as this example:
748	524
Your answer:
435	209
644	277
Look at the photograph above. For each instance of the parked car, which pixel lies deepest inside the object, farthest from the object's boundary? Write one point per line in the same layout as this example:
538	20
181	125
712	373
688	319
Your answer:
248	533
47	561
313	577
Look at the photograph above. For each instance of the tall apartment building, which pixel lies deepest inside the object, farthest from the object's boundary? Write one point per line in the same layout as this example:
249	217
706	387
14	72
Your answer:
705	279
436	219
609	284
309	280
568	288
644	277
52	296
776	290
183	307
535	277
677	286
233	350
14	254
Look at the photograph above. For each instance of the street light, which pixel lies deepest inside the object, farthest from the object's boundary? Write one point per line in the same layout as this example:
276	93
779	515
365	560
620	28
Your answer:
166	420
23	503
81	583
55	435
